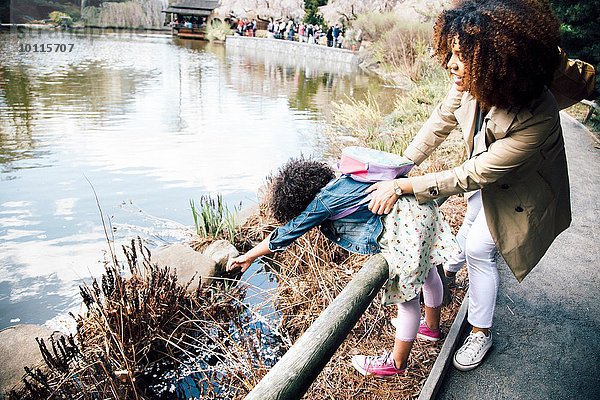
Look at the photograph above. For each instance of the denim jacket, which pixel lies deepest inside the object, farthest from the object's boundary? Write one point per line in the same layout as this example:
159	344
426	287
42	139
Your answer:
358	232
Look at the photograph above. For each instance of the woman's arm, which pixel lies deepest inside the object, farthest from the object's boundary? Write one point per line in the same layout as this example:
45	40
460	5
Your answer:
520	148
436	129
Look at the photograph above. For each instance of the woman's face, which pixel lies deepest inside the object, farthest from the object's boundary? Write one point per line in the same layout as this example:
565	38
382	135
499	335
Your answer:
456	66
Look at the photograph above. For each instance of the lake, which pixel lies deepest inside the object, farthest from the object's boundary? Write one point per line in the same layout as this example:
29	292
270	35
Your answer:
146	122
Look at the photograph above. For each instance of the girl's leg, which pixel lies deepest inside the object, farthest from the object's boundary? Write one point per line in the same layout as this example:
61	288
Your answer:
406	324
433	294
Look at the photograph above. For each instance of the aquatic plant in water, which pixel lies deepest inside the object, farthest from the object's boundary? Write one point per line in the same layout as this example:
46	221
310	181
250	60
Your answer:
145	336
213	219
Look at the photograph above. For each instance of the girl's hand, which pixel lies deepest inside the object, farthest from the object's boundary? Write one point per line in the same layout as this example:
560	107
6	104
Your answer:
383	197
242	262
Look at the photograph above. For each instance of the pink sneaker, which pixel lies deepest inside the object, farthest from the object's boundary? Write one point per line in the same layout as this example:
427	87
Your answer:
380	366
428	334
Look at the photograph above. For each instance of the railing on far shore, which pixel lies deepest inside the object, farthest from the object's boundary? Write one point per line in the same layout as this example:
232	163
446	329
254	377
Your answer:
291	377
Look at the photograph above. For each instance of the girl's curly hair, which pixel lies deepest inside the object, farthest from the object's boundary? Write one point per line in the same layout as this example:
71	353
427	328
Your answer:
295	185
509	48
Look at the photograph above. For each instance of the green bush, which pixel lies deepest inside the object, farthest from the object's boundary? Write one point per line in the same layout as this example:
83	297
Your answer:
60	18
580	29
312	16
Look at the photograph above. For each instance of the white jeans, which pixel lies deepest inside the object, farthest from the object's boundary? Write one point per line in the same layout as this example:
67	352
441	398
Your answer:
479	251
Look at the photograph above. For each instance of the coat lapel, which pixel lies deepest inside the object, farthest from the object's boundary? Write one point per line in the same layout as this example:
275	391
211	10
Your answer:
497	122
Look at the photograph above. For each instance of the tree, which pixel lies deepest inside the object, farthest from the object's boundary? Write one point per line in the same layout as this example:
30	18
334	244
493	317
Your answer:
580	28
312	12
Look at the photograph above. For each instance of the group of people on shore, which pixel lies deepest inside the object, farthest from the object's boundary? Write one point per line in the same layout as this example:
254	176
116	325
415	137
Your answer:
246	27
288	29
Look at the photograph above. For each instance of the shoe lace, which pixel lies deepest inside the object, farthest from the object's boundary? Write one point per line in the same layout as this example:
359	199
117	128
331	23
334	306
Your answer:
473	345
378	361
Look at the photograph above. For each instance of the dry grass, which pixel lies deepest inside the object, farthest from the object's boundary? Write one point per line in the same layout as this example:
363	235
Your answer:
313	271
144	336
310	274
394	44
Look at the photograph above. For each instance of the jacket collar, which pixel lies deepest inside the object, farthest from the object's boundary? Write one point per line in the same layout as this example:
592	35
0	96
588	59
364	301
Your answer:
502	120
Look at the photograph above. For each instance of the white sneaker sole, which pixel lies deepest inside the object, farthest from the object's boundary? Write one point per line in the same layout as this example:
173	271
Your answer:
469	367
428	338
363	372
359	368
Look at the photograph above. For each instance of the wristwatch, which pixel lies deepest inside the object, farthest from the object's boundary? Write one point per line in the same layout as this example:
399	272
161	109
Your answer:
397	188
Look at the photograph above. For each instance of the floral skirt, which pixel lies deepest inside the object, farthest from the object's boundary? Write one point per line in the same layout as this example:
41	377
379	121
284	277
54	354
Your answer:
416	238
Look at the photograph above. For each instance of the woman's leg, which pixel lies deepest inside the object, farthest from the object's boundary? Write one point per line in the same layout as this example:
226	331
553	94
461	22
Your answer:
481	253
407	324
458	260
483	273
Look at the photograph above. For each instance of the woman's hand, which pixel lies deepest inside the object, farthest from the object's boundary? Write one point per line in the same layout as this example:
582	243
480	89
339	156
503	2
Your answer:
243	262
383	197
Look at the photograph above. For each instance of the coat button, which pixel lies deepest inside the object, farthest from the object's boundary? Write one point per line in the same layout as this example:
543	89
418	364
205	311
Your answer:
519	209
504	186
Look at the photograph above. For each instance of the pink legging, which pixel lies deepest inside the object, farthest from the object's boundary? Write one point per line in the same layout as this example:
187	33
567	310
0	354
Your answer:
409	312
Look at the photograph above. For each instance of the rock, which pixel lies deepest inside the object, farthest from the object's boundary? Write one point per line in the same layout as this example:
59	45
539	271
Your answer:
18	349
242	216
221	251
186	262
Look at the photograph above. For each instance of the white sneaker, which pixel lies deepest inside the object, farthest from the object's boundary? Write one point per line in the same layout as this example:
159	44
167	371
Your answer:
471	354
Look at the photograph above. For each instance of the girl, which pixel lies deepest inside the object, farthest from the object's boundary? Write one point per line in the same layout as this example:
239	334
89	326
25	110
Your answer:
413	238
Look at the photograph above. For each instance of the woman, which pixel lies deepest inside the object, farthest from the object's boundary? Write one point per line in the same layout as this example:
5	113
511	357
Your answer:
502	55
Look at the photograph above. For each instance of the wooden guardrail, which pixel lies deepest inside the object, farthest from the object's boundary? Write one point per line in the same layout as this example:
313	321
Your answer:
291	377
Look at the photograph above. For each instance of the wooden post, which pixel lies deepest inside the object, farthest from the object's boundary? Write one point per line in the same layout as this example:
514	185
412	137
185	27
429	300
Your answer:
291	377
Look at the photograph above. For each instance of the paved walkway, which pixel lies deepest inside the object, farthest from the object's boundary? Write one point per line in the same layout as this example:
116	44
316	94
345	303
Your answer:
546	329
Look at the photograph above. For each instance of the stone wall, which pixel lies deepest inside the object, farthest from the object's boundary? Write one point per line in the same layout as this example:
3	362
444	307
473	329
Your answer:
300	54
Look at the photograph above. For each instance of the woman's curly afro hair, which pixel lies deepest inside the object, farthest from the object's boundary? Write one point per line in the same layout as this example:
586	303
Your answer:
295	185
509	48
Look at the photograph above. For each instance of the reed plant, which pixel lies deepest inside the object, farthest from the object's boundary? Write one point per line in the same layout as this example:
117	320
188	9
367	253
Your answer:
356	118
213	219
145	336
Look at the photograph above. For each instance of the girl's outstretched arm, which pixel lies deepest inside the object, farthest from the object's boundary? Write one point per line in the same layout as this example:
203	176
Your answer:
245	260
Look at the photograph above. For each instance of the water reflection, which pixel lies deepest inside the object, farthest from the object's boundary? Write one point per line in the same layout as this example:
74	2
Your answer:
150	122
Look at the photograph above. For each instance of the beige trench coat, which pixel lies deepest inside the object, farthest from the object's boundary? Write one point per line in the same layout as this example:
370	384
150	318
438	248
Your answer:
520	167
